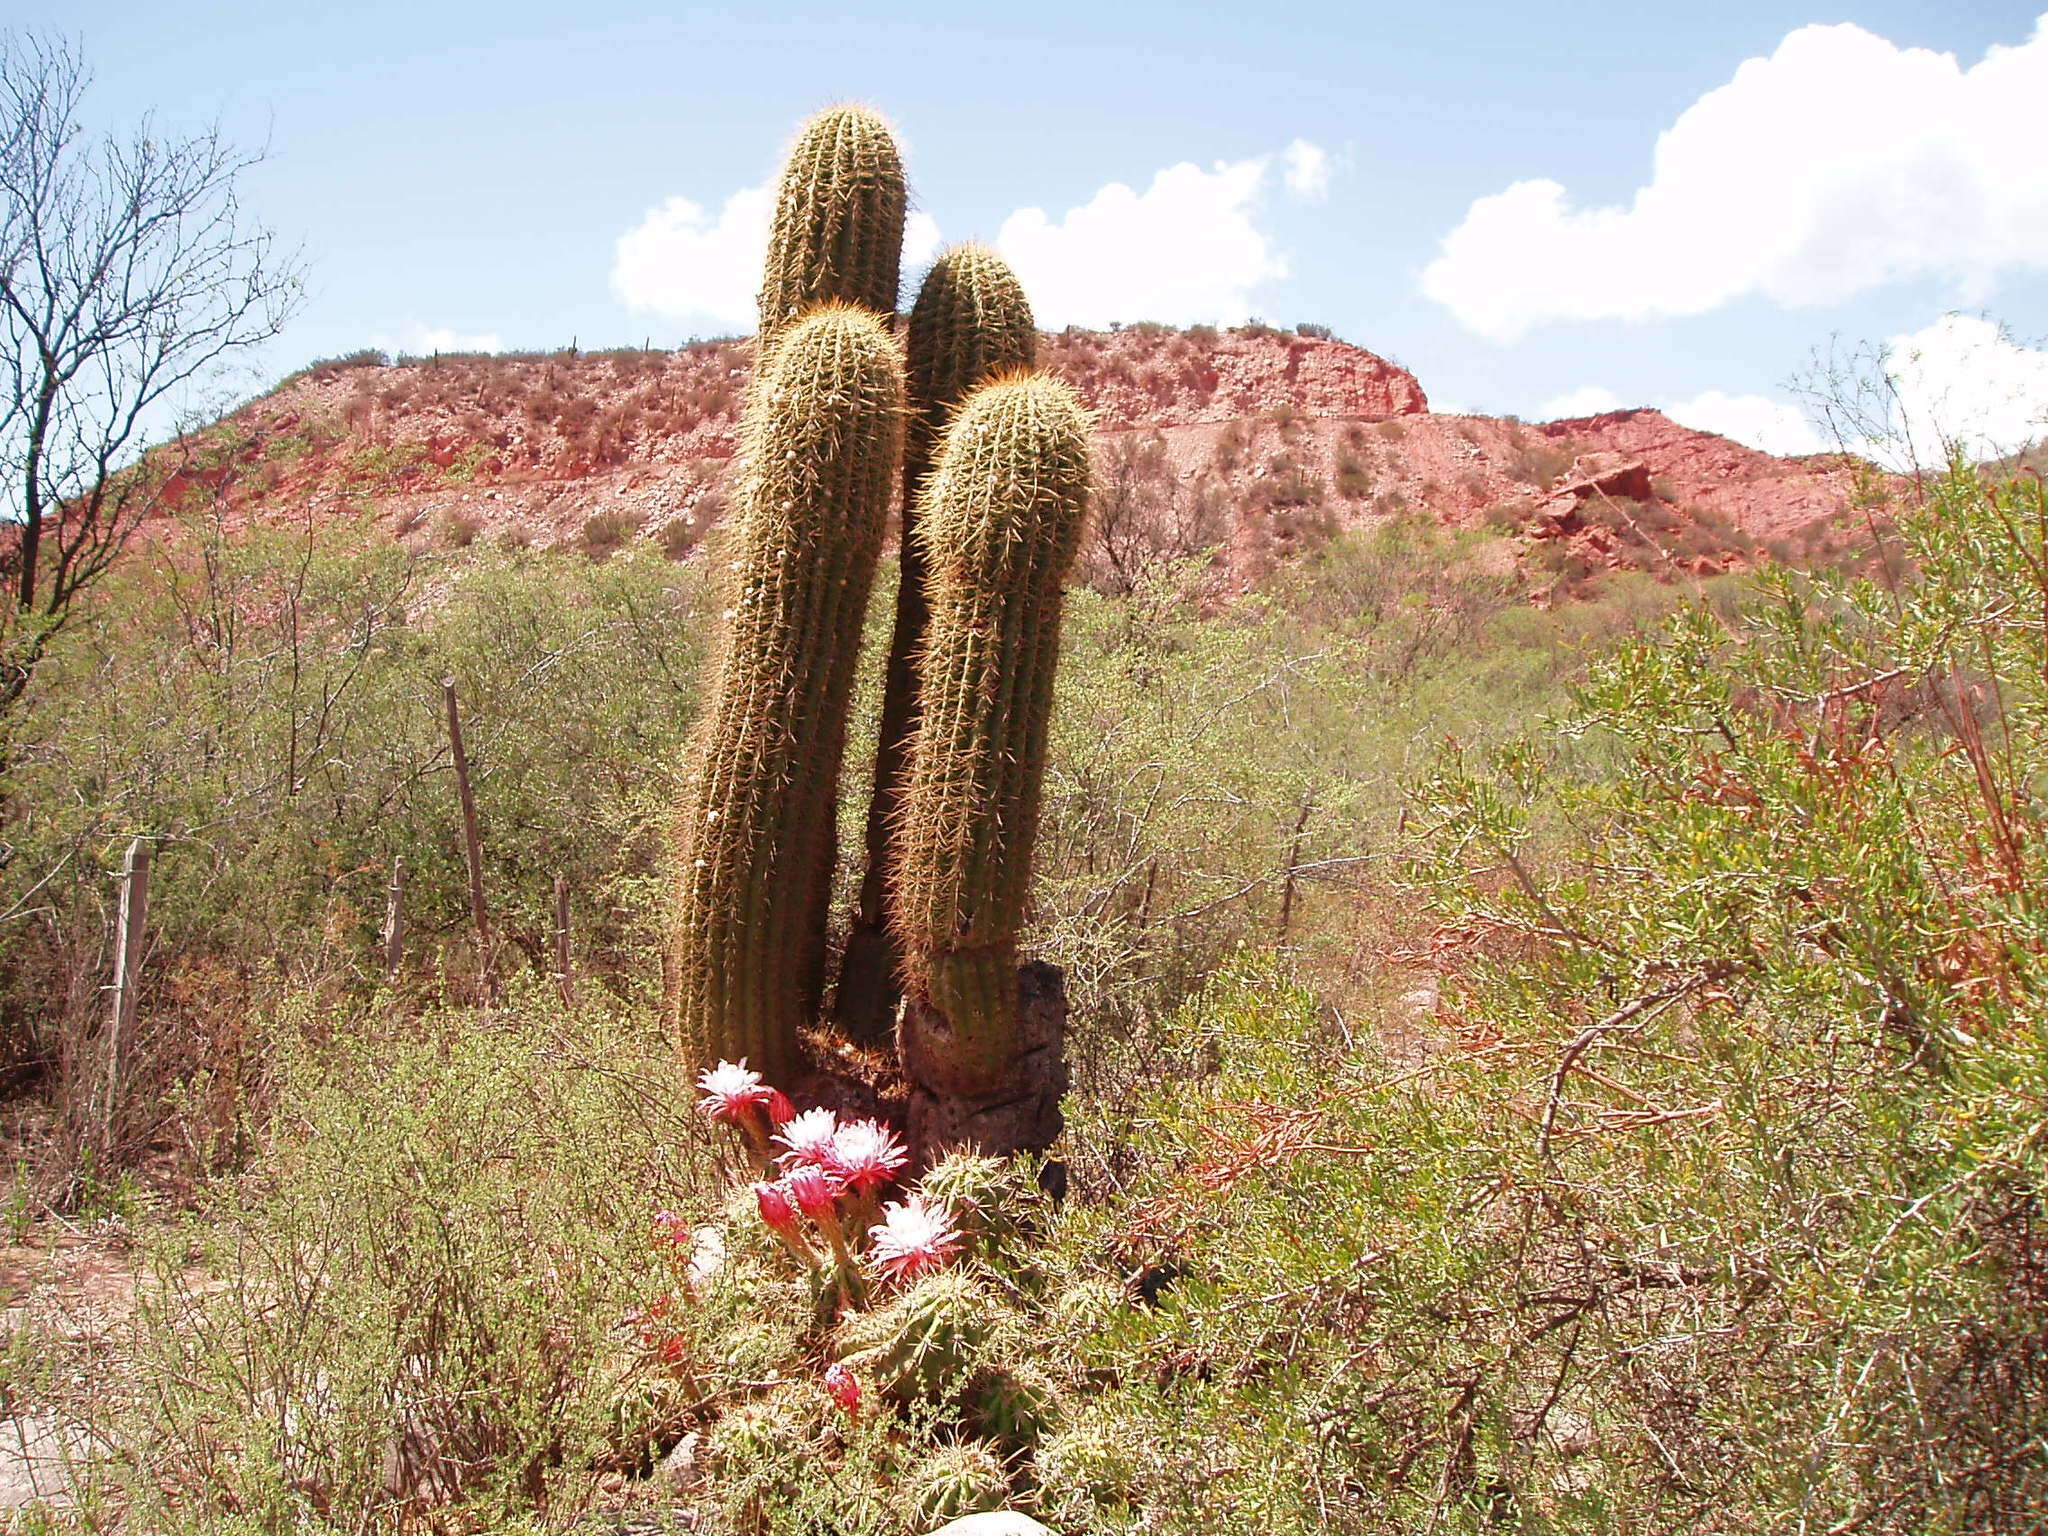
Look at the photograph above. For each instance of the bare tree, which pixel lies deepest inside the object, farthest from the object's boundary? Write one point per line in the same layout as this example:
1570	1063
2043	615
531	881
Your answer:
128	272
1142	515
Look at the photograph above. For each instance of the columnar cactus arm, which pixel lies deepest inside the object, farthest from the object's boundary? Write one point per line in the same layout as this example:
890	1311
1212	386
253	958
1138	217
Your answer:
1000	525
971	322
838	229
822	439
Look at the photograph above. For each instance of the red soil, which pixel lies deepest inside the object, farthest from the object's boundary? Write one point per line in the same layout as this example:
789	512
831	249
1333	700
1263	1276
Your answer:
1300	435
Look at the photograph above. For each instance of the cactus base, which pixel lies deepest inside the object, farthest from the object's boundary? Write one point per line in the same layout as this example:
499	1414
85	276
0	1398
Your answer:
1019	1111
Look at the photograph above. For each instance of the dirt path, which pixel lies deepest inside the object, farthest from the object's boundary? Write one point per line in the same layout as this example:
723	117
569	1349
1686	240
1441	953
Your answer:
67	1303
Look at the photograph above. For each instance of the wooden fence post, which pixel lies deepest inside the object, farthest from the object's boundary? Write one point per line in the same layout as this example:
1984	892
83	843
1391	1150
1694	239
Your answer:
562	976
472	845
1308	804
394	921
132	919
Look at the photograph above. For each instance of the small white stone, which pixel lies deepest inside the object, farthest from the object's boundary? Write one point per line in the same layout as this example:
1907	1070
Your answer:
994	1522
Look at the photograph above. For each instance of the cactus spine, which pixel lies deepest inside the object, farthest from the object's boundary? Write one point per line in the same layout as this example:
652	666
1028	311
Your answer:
971	323
822	437
1000	521
838	229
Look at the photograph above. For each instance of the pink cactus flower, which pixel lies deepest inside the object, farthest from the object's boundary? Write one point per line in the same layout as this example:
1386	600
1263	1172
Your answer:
815	1190
777	1210
808	1137
867	1155
780	1110
670	1230
913	1238
843	1387
731	1090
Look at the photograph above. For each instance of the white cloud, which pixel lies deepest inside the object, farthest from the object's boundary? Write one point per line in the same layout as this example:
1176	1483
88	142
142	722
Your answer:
921	241
1840	163
1307	171
1590	400
1775	426
681	263
424	340
1960	383
1187	249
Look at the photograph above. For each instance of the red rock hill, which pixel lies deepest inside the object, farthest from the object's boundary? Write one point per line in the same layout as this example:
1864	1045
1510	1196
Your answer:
1259	440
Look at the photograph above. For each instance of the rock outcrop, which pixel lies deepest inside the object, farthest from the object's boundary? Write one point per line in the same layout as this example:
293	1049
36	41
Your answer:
1260	441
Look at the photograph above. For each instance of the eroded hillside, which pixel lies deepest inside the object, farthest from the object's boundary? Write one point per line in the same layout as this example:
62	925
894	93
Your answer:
1256	441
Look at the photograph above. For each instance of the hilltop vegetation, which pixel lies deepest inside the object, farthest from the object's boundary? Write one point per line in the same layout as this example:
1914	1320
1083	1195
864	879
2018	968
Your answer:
1249	445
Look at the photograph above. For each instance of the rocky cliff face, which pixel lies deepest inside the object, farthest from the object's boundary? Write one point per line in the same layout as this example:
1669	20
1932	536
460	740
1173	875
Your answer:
1257	441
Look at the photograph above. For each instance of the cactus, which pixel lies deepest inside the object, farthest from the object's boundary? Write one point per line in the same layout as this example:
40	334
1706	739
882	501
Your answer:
1000	521
928	1341
822	434
970	323
1089	1464
994	1200
956	1480
838	229
1016	1406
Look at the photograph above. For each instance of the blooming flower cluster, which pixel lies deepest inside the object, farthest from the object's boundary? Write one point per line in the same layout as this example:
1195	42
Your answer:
734	1095
827	1180
820	1194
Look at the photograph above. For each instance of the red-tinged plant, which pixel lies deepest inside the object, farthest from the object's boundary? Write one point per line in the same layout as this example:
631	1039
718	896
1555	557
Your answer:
658	1335
816	1192
779	1213
671	1230
866	1155
843	1387
735	1095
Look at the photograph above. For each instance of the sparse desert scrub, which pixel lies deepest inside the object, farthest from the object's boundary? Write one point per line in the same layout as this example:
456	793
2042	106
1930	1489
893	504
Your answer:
1712	1164
266	709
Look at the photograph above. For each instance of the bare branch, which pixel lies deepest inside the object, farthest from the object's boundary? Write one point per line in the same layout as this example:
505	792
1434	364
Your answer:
128	273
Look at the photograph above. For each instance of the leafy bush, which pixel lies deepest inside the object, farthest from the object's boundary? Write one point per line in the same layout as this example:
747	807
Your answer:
267	709
1710	1201
606	533
422	1306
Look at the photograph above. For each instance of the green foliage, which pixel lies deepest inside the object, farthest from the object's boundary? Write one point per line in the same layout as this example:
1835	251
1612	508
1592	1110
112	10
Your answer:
756	828
1188	735
971	323
267	708
418	1309
1713	1203
1001	524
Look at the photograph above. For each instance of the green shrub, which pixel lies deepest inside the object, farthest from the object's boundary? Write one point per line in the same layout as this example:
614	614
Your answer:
421	1306
267	709
606	533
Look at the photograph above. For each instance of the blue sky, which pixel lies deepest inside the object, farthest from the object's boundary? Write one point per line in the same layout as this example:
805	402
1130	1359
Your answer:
1475	190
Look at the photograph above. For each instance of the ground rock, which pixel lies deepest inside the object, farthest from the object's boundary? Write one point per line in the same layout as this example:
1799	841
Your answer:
41	1459
994	1522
